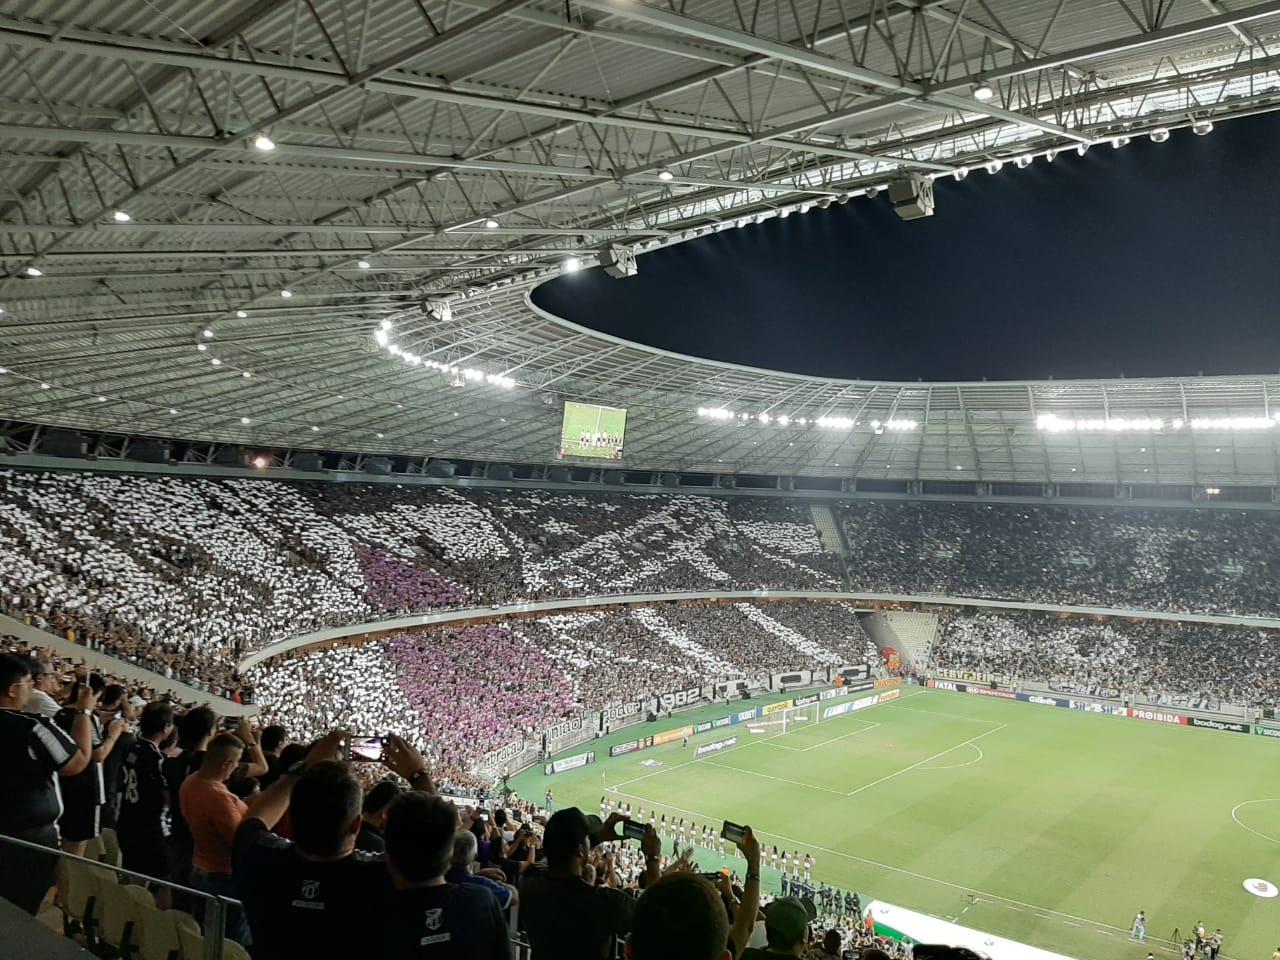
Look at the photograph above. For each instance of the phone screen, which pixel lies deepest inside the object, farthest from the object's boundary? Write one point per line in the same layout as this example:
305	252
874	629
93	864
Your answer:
365	749
632	830
733	832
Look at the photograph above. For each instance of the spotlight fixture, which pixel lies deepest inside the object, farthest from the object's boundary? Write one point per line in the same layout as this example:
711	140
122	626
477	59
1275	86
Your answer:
1202	127
1118	142
1023	162
215	362
984	92
959	173
286	294
491	224
379	435
994	166
241	314
201	347
314	428
102	399
264	143
120	216
1159	134
666	175
246	374
873	191
45	386
385	324
260	462
362	264
208	334
571	264
34	271
1082	149
245	421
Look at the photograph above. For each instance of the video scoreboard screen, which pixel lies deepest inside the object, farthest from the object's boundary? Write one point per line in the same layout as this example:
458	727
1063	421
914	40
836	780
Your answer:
592	431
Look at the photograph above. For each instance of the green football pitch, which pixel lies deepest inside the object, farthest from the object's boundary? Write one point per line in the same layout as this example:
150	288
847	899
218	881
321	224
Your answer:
587	419
1048	826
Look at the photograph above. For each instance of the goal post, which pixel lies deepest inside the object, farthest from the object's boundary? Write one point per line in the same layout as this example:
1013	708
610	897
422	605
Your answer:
794	718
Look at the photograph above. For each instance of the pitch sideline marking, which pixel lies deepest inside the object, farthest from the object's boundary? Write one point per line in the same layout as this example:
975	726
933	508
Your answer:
940	753
1243	824
994	897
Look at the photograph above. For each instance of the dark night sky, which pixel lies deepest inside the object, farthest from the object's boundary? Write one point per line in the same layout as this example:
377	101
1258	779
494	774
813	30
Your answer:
1150	260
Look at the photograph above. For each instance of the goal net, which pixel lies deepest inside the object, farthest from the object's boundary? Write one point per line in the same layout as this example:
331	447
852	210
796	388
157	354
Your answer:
795	718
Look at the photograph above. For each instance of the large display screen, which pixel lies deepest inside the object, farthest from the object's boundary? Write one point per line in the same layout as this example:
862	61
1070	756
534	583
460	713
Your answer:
590	430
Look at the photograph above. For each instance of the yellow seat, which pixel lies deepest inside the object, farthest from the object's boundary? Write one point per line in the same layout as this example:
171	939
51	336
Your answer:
117	914
110	848
95	849
81	900
157	935
193	947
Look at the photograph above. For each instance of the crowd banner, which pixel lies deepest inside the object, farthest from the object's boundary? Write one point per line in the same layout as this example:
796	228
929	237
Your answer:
796	678
778	707
676	699
1084	689
852	672
715	746
515	755
615	716
727	689
631	746
667	736
569	733
569	763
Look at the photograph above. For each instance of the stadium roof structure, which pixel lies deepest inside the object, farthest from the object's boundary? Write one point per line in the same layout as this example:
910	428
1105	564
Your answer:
316	224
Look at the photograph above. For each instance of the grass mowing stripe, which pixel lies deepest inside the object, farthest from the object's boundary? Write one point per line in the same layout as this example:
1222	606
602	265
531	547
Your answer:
918	763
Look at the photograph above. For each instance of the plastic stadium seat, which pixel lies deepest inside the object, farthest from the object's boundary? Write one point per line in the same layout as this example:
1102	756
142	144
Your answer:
81	900
157	935
111	848
95	849
122	908
193	947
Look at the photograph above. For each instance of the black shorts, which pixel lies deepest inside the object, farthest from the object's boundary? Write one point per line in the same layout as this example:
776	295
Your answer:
145	853
80	822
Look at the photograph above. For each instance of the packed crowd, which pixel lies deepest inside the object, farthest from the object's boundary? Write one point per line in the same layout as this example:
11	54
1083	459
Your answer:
464	692
188	575
1176	560
322	862
1189	665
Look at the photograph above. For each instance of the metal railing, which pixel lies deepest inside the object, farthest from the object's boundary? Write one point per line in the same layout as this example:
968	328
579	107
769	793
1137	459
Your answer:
213	921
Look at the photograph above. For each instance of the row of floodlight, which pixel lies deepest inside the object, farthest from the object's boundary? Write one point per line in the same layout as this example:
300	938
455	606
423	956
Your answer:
723	415
1050	423
461	375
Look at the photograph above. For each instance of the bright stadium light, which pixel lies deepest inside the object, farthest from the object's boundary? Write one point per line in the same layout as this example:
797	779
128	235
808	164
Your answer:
1082	149
242	314
1159	134
286	294
994	166
665	175
1202	127
959	173
260	462
33	271
264	143
207	333
381	337
984	92
1118	142
363	264
571	264
120	216
245	421
1023	161
491	224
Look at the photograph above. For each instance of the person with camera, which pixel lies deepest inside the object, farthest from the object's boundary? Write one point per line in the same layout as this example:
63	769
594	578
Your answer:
565	917
316	895
684	916
34	754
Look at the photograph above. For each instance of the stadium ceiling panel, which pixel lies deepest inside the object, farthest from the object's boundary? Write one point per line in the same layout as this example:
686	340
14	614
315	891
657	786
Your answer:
316	224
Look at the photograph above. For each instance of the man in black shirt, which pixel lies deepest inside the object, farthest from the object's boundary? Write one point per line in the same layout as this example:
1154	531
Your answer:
113	704
83	795
144	796
272	742
565	917
316	896
373	816
32	751
427	918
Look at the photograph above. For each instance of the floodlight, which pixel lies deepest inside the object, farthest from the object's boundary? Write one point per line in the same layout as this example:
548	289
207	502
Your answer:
1202	127
1159	135
264	143
120	216
984	92
571	264
666	175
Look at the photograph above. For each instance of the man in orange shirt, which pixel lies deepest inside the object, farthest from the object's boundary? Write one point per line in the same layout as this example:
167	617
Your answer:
213	813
